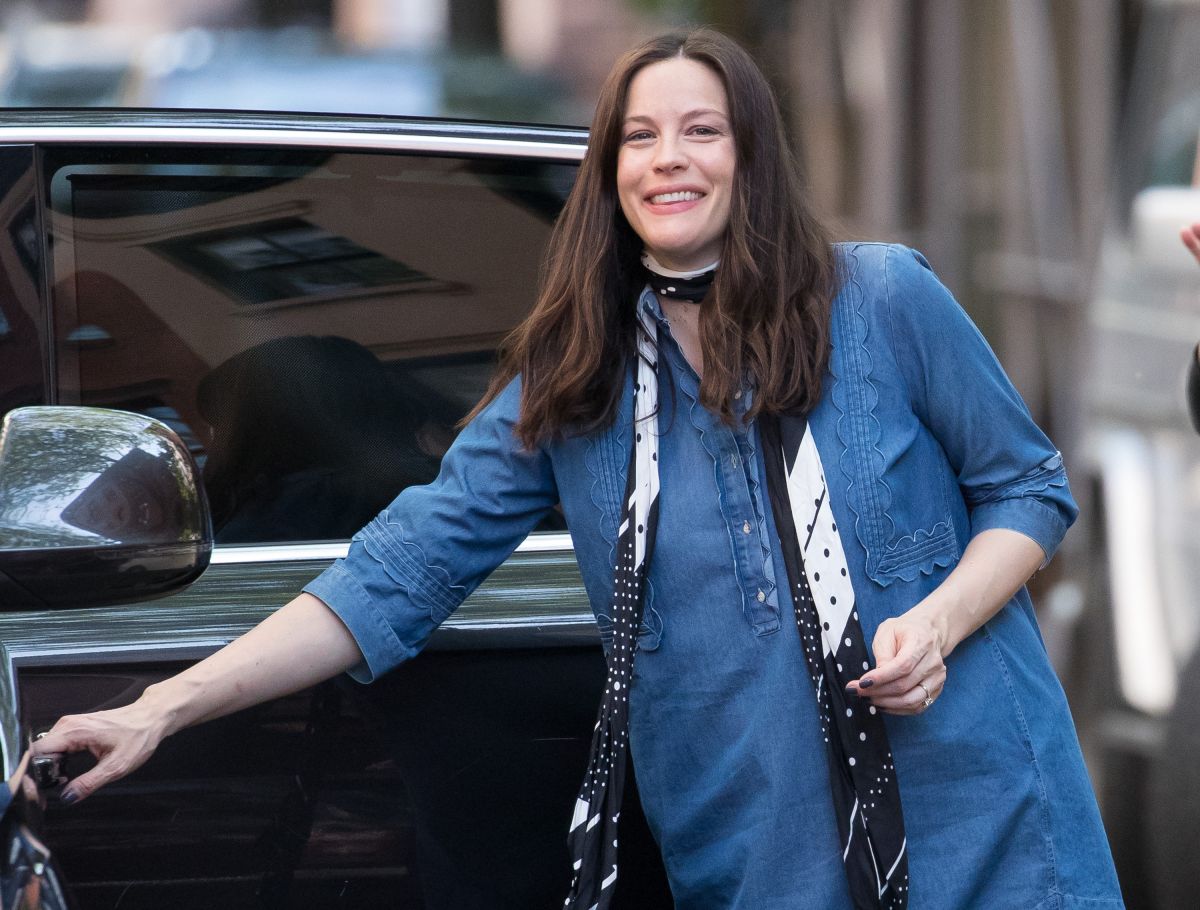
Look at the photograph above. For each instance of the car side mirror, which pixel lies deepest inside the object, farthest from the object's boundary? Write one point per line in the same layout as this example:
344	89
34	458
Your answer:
96	507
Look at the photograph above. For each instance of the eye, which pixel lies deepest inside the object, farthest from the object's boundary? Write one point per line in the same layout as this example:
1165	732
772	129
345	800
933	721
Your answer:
705	131
638	136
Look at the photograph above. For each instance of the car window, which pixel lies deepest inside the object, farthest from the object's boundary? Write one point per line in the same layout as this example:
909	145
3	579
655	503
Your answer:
313	325
21	348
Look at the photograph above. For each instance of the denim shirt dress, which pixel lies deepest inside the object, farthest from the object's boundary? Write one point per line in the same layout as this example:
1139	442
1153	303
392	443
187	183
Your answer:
925	443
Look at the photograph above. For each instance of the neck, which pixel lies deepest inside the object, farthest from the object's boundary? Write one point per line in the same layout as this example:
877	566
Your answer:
658	268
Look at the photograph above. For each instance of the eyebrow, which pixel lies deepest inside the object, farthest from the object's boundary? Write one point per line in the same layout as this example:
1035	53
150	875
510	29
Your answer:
698	112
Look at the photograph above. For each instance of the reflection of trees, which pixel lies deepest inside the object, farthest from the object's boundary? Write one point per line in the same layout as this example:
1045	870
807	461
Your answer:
50	458
67	439
188	490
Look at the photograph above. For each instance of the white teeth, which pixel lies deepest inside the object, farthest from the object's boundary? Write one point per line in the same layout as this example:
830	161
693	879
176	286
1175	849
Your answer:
664	198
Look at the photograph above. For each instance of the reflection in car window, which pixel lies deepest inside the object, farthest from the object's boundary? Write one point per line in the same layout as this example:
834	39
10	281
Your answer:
288	260
313	326
21	360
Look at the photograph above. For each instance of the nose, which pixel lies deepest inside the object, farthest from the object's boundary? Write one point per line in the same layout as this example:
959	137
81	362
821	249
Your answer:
669	155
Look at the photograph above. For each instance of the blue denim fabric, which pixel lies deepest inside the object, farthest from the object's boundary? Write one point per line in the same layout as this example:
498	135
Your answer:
925	444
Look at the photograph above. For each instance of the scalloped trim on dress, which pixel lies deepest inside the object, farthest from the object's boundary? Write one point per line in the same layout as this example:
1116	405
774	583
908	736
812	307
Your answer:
920	553
1049	474
859	433
406	564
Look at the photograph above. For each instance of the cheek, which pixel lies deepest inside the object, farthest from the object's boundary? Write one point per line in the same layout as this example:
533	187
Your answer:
623	178
626	197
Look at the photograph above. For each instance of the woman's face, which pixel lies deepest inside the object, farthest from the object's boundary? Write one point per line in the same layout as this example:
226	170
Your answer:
676	162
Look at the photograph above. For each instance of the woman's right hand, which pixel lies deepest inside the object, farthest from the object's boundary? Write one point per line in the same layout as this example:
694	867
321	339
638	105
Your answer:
121	739
299	645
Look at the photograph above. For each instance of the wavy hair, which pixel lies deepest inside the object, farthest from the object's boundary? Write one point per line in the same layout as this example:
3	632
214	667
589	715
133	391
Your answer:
766	318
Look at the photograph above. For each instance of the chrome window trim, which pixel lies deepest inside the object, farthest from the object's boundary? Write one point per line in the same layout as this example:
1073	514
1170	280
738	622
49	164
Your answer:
551	542
567	630
295	138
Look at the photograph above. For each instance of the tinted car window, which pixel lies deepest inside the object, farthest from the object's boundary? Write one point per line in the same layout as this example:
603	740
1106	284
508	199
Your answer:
313	325
21	361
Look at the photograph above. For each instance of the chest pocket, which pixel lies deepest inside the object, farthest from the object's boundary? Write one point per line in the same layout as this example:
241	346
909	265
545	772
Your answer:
896	479
607	460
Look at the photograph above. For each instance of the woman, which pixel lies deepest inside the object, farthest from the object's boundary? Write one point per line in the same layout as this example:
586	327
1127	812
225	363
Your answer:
699	363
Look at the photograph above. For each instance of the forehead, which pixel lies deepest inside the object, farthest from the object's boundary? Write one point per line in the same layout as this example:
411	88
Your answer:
674	86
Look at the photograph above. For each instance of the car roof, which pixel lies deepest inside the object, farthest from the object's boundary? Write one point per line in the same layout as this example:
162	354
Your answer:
137	125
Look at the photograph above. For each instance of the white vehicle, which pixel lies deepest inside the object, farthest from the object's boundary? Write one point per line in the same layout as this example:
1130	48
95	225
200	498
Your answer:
1135	681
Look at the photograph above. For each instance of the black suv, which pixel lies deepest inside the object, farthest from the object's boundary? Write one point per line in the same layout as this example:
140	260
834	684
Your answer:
311	304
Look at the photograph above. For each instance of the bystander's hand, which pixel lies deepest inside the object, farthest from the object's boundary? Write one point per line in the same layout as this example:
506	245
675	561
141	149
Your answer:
1190	234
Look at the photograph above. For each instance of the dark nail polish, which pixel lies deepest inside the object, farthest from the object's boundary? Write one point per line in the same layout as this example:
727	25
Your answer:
68	797
866	683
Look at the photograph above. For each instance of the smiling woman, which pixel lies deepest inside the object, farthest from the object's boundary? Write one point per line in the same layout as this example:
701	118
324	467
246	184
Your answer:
695	117
805	500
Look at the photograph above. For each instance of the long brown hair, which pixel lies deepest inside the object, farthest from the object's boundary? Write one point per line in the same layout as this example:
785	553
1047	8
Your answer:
767	315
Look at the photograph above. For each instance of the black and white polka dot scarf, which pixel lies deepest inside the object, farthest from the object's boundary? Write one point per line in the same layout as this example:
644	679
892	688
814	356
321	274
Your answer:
862	776
690	286
592	840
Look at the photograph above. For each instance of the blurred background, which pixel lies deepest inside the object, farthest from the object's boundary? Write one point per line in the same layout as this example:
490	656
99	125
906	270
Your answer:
1042	153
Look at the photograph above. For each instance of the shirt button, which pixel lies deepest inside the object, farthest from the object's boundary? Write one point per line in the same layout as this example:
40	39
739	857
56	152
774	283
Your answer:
734	460
737	394
745	527
761	596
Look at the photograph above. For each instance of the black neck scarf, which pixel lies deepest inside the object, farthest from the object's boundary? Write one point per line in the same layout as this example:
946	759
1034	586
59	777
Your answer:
689	286
862	775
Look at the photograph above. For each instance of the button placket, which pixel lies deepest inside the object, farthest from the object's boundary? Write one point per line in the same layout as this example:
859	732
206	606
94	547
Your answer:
763	616
733	457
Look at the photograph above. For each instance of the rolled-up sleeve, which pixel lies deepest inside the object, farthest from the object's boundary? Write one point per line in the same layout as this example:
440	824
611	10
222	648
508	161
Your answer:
1009	473
411	566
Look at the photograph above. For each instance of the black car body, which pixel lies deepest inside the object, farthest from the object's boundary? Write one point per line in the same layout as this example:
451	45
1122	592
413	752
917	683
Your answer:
312	304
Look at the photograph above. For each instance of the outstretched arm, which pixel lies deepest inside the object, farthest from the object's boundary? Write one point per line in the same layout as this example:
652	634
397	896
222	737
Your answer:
299	645
404	573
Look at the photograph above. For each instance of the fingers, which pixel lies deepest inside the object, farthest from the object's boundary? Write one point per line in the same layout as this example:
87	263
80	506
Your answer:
108	770
9	790
905	652
1190	234
909	667
912	700
119	745
68	735
19	774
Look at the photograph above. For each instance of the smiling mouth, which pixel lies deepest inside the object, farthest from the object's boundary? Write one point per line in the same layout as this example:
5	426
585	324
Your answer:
667	198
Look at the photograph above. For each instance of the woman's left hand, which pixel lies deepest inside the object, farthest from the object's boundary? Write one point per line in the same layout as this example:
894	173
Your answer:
909	673
910	648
